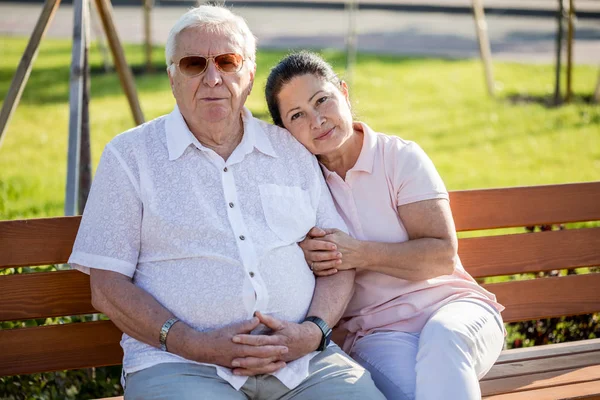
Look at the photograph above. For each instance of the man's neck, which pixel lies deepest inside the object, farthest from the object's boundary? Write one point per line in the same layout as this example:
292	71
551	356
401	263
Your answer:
222	138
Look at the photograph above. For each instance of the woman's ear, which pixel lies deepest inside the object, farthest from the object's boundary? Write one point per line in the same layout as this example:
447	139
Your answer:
345	92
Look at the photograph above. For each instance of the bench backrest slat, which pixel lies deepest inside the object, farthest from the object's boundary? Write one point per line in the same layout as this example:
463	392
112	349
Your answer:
548	297
44	294
37	241
530	252
59	347
525	206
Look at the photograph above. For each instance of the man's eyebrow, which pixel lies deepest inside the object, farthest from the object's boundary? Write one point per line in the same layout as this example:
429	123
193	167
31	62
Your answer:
310	99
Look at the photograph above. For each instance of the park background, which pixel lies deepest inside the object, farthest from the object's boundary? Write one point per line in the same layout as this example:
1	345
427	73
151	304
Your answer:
429	91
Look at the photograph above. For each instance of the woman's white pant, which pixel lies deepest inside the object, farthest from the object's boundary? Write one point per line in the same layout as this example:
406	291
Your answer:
457	347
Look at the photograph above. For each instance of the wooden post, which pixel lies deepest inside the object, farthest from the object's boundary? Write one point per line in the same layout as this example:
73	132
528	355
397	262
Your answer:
76	89
24	69
570	34
484	44
125	75
596	98
351	40
148	34
559	37
99	34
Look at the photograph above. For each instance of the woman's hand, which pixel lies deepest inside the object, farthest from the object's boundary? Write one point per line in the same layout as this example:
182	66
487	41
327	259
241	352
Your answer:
328	251
322	256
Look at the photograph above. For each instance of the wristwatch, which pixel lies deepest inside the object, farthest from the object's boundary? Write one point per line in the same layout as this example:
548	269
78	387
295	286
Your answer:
325	329
164	331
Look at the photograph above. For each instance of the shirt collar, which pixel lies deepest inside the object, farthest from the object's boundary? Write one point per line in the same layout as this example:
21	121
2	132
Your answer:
366	158
179	136
255	134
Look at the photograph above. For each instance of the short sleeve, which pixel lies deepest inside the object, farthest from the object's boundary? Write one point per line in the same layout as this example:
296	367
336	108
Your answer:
109	234
415	177
327	214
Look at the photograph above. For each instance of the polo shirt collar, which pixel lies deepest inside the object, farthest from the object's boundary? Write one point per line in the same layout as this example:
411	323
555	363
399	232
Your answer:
366	158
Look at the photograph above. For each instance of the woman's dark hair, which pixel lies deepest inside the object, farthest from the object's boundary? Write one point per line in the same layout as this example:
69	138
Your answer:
293	65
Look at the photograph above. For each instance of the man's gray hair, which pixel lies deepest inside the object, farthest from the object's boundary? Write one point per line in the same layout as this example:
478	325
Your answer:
215	19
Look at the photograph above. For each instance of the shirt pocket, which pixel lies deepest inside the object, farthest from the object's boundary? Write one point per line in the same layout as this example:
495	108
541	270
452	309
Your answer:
288	211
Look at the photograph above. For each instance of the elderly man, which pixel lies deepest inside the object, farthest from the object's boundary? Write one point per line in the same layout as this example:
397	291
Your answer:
190	239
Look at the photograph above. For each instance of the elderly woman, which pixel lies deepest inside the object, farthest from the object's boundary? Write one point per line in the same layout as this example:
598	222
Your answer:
417	320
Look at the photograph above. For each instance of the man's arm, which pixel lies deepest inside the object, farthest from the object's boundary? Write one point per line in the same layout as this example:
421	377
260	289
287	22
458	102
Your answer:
332	295
141	316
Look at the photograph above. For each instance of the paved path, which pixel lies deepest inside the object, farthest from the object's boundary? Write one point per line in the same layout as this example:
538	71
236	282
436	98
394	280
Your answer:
523	39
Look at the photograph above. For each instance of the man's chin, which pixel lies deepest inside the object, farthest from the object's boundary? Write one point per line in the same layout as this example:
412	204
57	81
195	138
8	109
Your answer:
216	113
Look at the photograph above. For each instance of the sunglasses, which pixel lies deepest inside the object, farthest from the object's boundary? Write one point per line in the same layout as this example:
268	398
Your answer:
227	63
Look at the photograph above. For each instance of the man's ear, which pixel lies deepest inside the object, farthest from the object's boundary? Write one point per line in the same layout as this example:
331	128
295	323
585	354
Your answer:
252	75
171	82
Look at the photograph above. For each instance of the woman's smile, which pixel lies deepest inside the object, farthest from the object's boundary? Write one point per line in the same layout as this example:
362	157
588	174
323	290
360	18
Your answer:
325	135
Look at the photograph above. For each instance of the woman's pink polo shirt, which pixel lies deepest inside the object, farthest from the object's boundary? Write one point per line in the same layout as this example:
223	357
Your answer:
392	172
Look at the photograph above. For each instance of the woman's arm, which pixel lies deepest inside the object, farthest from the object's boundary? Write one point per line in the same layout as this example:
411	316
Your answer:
429	252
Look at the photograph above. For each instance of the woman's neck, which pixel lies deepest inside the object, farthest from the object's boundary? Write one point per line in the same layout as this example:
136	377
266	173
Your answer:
342	159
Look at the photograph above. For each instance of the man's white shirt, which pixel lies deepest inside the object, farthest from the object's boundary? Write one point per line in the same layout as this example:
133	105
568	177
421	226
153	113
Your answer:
212	240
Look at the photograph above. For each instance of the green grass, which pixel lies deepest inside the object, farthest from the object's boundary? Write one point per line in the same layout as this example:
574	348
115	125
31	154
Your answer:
475	141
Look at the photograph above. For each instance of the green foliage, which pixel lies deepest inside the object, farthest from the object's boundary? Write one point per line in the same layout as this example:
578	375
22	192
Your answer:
79	384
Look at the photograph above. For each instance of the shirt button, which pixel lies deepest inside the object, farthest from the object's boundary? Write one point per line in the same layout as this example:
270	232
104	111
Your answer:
231	205
225	169
242	237
251	274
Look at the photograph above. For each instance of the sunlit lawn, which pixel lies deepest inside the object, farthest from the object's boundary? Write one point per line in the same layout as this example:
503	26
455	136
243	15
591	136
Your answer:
475	142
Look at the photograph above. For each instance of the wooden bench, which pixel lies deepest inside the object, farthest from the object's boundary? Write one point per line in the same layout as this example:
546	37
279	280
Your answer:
558	371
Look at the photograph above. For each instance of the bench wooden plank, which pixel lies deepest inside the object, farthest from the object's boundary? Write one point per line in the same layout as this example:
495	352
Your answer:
585	390
548	297
34	242
45	294
59	347
525	300
530	252
557	349
540	380
524	206
559	363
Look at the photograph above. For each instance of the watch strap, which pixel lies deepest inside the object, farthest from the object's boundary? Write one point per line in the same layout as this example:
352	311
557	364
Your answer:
325	330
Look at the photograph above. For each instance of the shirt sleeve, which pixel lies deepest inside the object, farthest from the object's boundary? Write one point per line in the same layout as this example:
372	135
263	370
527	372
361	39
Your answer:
327	214
415	178
109	234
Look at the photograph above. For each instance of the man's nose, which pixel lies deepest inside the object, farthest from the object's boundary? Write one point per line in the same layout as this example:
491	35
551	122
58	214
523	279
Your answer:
212	76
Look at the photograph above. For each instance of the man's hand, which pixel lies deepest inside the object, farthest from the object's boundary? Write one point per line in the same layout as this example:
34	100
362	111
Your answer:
264	358
322	256
300	339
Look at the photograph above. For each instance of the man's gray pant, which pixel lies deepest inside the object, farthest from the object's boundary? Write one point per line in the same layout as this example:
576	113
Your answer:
332	375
